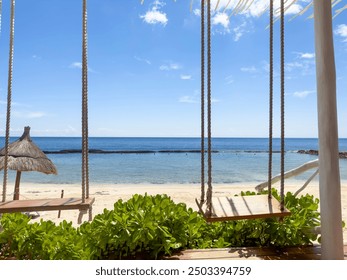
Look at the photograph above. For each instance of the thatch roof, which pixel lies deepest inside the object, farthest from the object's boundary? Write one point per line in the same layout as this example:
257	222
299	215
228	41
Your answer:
24	155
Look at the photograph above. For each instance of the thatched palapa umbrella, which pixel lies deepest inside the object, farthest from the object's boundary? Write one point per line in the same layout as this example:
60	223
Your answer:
25	155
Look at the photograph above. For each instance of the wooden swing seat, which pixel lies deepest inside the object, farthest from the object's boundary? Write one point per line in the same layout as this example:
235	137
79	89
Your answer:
47	204
242	207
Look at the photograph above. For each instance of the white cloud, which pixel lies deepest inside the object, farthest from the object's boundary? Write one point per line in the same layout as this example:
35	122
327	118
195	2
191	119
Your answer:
170	66
197	12
266	67
258	8
36	57
294	9
341	31
186	77
303	94
294	64
4	102
187	99
155	16
69	130
195	99
229	80
250	69
35	115
143	60
239	31
303	62
307	55
78	65
223	20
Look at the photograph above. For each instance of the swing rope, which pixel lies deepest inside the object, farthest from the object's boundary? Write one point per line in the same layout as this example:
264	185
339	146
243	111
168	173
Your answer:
85	168
282	96
9	101
282	106
209	99
270	98
202	199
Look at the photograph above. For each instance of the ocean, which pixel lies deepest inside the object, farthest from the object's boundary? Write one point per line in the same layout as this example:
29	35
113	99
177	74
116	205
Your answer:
170	160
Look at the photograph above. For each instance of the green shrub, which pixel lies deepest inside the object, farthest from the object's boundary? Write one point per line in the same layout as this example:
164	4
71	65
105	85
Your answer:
148	227
20	239
145	225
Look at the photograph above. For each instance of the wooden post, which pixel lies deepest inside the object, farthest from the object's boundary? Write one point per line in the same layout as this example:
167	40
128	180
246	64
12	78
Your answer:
329	175
61	196
16	186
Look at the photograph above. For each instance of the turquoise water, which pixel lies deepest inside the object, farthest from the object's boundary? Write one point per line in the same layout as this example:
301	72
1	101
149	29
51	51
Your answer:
170	160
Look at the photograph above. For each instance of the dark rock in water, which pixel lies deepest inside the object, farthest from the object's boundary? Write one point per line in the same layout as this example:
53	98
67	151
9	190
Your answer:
96	151
343	155
309	152
315	153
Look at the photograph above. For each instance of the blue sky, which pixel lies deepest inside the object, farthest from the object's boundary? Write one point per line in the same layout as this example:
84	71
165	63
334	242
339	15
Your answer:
144	69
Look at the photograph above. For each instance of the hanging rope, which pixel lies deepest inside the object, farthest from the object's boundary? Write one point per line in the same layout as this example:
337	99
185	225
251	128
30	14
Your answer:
86	100
209	99
9	101
85	169
282	105
202	199
270	99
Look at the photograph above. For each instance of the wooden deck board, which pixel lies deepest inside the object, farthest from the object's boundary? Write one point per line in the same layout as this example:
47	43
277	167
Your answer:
244	207
45	205
251	253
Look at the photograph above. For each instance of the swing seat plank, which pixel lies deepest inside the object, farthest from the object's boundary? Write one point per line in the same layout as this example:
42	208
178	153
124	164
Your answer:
243	207
46	205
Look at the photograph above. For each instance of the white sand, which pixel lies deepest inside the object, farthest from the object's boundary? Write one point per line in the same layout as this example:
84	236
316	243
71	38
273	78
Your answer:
106	195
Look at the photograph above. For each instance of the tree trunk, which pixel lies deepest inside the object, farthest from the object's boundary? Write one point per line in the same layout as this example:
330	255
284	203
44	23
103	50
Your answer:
16	186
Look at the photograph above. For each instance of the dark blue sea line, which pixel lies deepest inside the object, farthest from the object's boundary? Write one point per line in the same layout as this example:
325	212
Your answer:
94	151
98	151
162	143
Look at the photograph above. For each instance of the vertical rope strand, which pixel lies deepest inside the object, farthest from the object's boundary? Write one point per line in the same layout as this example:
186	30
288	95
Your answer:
83	100
85	169
9	100
202	199
270	99
209	191
282	106
86	96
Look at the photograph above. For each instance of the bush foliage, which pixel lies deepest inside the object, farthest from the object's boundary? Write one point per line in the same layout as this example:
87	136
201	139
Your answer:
148	227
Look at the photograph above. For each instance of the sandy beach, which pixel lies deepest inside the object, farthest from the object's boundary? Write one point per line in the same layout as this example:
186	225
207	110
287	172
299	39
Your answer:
107	194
